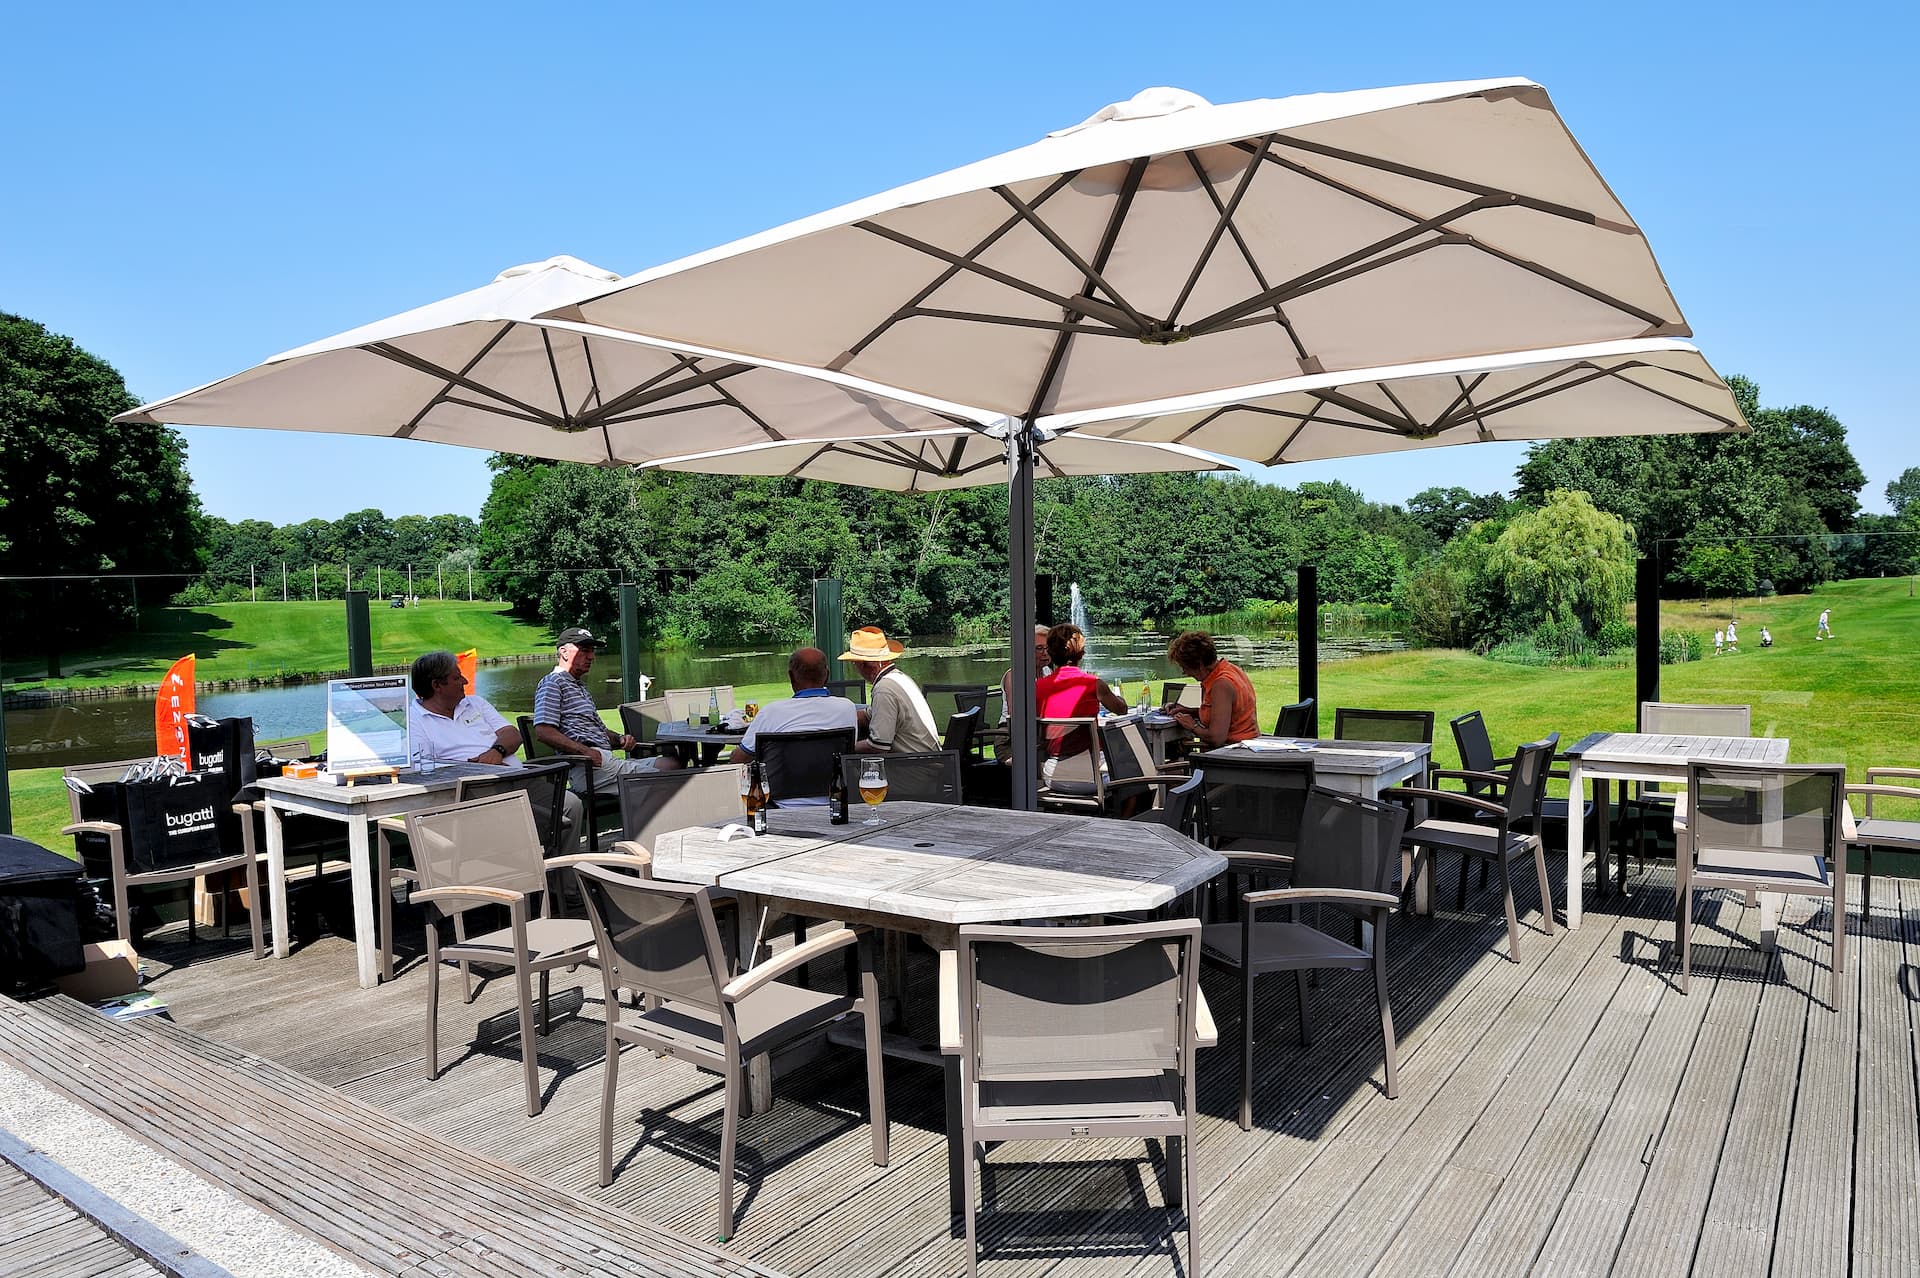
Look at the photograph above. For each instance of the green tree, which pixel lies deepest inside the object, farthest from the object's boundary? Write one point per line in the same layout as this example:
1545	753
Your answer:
79	494
1442	512
1567	563
1903	493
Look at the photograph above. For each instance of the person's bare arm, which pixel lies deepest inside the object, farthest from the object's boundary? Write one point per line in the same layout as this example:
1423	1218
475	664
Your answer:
507	740
1109	698
1219	715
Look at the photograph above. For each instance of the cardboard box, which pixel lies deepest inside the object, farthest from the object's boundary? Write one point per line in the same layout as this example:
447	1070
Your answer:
112	968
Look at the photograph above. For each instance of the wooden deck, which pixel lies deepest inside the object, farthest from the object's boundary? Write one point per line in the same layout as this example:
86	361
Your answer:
1572	1113
42	1236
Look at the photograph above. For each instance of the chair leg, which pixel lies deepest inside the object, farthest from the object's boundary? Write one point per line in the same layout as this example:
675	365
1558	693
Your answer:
433	1000
1513	918
1171	1147
1683	927
259	906
1461	904
1483	876
466	971
1246	1049
1546	885
529	1044
876	1057
729	1135
968	1191
609	1085
800	938
383	885
1389	1044
1306	1015
546	1003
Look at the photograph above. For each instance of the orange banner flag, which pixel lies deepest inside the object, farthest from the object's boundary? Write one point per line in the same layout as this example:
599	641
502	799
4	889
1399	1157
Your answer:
171	708
469	661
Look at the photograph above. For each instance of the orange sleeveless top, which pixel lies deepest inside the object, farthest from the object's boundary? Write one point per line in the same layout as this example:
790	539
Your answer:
1246	718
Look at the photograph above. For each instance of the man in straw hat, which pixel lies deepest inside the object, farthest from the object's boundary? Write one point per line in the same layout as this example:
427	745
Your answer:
898	720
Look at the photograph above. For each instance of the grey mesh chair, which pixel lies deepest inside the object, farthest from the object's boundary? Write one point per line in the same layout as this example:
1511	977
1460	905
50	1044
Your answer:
1078	783
1170	692
931	776
1476	755
596	800
545	785
111	840
1181	806
682	702
1762	829
1080	1033
1132	771
487	852
799	765
963	733
653	803
1649	800
661	941
1350	724
1255	805
1483	829
641	720
1882	831
1301	719
1347	848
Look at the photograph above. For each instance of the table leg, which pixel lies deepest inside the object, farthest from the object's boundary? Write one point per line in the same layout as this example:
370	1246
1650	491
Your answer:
1770	905
1603	870
1423	886
277	879
1577	847
366	945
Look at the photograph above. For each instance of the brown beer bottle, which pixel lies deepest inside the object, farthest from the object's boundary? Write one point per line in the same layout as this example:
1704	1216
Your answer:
757	797
837	794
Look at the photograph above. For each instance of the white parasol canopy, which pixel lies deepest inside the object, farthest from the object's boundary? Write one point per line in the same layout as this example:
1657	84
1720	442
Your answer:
477	370
937	461
1656	387
1167	247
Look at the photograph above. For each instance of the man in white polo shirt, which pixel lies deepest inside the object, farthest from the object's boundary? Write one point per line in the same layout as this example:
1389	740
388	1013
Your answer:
811	708
451	726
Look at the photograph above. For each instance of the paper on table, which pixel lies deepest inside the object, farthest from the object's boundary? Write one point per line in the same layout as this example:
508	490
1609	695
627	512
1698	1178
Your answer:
1264	745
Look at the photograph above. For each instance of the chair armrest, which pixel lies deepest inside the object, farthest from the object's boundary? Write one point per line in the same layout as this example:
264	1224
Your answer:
1444	796
1885	791
632	847
1318	896
479	895
615	860
1465	774
107	828
1205	1033
786	961
1258	860
1508	759
1875	773
398	824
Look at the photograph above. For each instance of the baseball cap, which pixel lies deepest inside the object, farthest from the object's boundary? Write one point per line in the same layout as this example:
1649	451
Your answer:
579	636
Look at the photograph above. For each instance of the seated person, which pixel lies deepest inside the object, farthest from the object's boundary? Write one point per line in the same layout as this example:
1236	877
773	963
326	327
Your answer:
1227	710
811	708
1068	692
899	720
450	725
566	721
1041	666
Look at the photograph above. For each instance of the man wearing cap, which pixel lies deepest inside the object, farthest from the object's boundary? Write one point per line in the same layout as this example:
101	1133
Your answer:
565	718
898	720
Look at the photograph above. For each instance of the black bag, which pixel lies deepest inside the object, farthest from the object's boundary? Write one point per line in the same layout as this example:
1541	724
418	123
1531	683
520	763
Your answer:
173	821
39	915
224	746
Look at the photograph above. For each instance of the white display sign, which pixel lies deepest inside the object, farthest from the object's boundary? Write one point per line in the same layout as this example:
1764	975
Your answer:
367	724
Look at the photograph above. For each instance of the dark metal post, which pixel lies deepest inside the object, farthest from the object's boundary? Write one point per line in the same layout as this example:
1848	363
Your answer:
829	623
359	635
630	639
1021	713
1646	631
1043	613
1307	622
6	780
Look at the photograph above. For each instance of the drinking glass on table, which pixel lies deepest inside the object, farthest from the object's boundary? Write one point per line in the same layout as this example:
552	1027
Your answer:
873	787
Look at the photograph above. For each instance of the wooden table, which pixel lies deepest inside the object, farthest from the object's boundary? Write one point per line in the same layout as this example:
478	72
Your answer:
1639	756
675	733
928	869
1365	768
357	807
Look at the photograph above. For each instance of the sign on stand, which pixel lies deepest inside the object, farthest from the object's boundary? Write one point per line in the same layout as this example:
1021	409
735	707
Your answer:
367	725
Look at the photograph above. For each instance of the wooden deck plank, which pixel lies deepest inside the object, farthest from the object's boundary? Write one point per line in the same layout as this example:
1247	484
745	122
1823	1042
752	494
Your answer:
43	1236
1886	1229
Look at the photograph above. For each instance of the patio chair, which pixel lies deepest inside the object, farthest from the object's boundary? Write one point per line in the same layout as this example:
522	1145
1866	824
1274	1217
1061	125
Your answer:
1344	858
1872	831
1080	1033
965	696
931	776
487	852
1078	783
1256	805
1649	800
97	841
1131	771
661	941
682	702
1476	755
963	732
1299	720
641	720
1181	806
799	765
653	803
1487	830
1762	829
544	784
1350	724
596	800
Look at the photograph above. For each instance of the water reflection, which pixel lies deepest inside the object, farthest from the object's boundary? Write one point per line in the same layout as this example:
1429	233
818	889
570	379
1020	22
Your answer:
122	727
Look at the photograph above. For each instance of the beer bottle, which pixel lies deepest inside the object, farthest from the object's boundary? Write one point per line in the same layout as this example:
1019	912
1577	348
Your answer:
757	797
837	794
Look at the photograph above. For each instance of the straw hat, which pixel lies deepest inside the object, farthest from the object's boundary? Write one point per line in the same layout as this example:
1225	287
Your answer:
870	643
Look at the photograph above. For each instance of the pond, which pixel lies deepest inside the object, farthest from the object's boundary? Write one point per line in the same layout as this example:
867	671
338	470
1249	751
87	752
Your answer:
122	727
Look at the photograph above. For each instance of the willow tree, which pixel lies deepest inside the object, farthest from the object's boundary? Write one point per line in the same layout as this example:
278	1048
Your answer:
1566	562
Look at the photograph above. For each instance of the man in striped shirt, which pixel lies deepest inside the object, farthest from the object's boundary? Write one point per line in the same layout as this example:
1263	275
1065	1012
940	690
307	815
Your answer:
565	718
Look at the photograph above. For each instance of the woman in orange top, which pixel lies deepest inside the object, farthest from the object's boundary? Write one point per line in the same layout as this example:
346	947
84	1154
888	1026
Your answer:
1227	710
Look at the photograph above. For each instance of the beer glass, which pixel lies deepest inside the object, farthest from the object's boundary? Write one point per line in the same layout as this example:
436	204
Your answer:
873	787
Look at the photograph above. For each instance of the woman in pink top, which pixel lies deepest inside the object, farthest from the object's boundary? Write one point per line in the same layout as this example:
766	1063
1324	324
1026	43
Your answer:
1069	693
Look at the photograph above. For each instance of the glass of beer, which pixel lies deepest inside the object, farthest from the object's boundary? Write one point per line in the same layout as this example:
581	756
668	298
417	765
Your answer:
873	786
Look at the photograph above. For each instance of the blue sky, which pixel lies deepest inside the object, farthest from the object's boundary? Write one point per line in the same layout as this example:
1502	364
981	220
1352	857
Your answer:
190	188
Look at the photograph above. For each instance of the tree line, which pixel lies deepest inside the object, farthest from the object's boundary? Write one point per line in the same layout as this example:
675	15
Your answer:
722	559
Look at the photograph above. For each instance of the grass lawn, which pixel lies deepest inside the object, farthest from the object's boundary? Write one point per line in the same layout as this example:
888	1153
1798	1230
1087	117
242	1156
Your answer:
1854	699
267	640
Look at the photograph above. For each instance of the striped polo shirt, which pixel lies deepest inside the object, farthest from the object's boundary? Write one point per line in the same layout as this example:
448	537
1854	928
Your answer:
563	702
